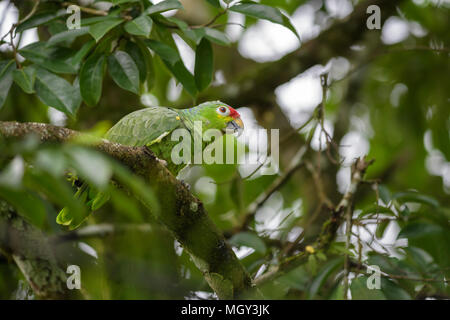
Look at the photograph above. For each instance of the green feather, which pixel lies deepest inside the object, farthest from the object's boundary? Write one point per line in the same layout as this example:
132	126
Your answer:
151	127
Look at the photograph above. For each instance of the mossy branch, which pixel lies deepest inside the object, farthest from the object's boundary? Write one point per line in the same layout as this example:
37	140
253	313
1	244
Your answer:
28	247
182	213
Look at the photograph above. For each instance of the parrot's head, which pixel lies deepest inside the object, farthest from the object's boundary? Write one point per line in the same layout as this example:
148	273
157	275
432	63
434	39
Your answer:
219	115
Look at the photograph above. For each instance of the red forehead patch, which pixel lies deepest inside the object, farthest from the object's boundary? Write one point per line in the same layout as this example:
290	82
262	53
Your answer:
234	113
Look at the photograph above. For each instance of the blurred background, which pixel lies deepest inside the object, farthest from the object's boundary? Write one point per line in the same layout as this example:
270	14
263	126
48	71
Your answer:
345	91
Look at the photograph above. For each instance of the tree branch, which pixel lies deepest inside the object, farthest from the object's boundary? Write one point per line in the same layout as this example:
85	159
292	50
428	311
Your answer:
295	164
329	228
182	213
31	252
332	42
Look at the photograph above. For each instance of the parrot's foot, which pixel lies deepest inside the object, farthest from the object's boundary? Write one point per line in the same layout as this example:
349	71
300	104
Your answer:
185	184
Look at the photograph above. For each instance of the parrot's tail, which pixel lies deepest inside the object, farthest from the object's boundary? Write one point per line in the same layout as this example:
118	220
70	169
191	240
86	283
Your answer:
93	200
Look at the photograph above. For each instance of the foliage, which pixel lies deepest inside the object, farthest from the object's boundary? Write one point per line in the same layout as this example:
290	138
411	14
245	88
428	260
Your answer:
119	38
400	211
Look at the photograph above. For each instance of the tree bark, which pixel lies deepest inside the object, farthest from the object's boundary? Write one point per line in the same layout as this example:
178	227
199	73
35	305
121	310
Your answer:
182	213
30	250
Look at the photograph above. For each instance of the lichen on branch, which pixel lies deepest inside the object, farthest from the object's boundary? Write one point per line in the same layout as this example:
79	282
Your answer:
182	213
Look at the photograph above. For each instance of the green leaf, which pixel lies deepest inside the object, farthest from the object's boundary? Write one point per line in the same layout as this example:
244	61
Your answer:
57	26
321	256
374	209
55	59
360	291
236	193
249	239
100	199
56	190
340	248
391	265
217	36
68	35
6	79
184	76
418	230
124	71
52	161
141	26
165	35
28	205
93	20
384	193
215	3
392	291
439	130
56	92
76	59
164	6
180	23
126	205
323	274
312	264
252	263
419	257
166	52
91	79
98	30
149	67
91	165
381	228
105	45
40	19
138	57
25	78
12	174
137	185
193	34
416	197
261	11
204	64
337	293
433	238
297	278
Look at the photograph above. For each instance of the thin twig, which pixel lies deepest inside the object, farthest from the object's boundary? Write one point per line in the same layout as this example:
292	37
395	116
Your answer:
33	10
92	11
217	16
295	164
282	140
13	27
329	230
318	184
16	58
348	231
406	277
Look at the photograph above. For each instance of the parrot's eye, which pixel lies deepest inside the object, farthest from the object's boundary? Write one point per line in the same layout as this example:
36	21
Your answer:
224	111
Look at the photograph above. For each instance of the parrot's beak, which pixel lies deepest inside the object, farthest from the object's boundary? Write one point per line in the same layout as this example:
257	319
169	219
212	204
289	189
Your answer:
235	126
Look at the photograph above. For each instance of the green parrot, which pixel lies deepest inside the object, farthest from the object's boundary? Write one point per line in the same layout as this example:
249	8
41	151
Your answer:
152	127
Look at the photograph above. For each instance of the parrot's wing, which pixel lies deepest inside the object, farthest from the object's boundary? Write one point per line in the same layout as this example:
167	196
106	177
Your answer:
158	139
145	127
